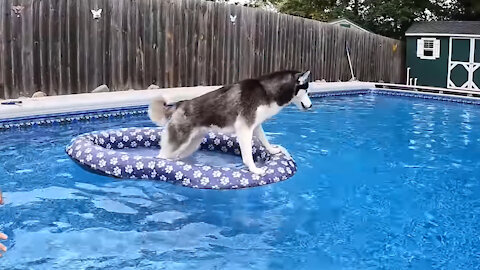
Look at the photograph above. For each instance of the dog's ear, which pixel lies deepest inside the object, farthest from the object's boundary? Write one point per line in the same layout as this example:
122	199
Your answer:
302	78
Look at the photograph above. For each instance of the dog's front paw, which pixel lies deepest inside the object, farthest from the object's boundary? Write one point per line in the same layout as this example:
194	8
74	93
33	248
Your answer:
256	170
274	149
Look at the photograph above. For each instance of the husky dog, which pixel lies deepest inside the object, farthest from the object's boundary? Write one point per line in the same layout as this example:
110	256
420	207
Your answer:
239	108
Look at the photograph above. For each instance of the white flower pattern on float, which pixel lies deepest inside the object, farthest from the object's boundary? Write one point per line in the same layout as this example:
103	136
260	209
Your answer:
163	177
108	146
118	133
211	147
125	158
224	149
139	165
117	171
217	174
114	161
284	162
137	157
133	144
180	163
178	175
225	169
236	174
102	163
224	180
139	138
186	181
262	183
255	177
153	138
147	144
112	139
78	147
204	181
153	174
206	168
289	171
244	181
197	174
101	141
281	170
144	176
168	169
161	164
126	138
270	171
129	169
120	145
88	150
211	135
276	179
89	157
79	153
215	187
151	164
187	167
216	141
229	143
111	152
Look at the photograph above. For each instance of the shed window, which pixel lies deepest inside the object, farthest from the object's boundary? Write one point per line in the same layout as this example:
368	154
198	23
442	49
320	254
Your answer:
428	48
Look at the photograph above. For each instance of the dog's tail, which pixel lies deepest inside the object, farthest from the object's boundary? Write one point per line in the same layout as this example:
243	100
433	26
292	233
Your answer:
159	112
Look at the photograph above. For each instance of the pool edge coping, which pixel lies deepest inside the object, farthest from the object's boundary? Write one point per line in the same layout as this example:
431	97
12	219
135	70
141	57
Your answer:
317	91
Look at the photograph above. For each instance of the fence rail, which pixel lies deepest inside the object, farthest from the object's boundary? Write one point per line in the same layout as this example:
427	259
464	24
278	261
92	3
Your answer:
56	46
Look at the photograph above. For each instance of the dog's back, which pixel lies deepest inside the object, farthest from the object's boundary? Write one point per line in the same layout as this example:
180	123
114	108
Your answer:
222	107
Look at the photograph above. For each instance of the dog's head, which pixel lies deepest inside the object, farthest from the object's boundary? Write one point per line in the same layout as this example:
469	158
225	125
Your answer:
301	98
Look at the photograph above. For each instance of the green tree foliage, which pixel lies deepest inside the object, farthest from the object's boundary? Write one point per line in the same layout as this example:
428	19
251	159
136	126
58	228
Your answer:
386	17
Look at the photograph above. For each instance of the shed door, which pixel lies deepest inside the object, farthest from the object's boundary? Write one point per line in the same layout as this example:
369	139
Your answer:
464	64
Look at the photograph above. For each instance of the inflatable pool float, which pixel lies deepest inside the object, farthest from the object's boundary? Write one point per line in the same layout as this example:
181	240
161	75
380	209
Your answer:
105	153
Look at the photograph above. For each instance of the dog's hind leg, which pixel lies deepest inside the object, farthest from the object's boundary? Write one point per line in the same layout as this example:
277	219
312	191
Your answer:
167	149
245	134
191	146
258	132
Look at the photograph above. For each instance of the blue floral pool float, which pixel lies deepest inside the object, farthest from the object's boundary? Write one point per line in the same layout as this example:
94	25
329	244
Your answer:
102	153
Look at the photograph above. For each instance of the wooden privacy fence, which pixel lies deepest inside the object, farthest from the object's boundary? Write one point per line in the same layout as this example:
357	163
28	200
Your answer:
56	46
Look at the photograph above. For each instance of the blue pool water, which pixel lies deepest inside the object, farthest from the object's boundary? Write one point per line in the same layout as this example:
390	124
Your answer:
382	183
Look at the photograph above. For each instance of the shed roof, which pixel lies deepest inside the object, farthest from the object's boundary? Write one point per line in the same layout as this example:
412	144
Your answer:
448	28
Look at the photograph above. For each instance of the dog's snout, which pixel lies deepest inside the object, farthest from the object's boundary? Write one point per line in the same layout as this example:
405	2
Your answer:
306	107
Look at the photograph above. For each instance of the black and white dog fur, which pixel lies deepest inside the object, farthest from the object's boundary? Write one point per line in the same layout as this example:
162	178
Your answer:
239	108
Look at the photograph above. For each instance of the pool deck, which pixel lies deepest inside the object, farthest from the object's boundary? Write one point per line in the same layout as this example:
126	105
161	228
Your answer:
111	100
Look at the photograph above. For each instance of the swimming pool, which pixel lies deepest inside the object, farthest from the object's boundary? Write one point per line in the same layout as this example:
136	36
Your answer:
382	182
